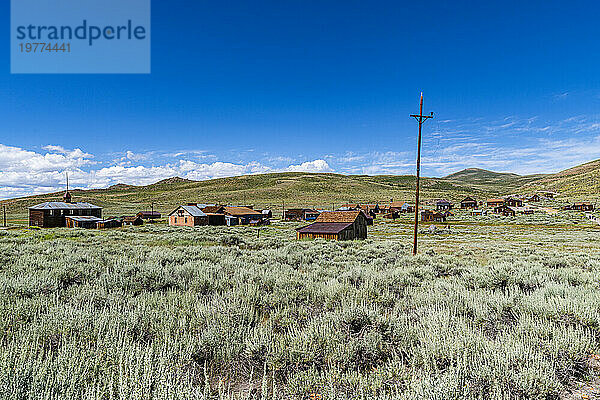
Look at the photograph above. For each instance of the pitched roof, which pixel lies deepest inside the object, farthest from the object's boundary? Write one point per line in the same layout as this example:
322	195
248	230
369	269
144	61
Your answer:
59	205
442	202
325	227
468	198
194	211
239	211
150	213
213	209
397	204
495	200
338	216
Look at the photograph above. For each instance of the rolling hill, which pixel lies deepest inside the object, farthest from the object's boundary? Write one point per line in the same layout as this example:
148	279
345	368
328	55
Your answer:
492	181
581	182
266	190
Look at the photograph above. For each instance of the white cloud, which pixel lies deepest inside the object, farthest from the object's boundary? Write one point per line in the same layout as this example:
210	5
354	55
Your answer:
310	166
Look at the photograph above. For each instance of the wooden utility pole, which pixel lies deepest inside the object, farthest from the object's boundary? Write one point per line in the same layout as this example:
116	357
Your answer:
4	212
283	212
421	119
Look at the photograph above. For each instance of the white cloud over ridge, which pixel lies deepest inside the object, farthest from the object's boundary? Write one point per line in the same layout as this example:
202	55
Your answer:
522	146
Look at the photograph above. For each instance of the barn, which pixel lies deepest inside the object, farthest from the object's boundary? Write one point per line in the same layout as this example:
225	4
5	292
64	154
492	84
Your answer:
53	214
336	225
468	202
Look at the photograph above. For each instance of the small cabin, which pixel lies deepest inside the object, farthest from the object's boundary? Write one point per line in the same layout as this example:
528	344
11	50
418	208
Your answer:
109	223
301	214
433	216
495	202
468	203
443	205
133	220
149	215
505	210
584	206
336	225
513	202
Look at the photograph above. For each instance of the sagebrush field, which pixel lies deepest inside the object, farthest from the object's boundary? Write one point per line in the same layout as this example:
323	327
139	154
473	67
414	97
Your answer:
503	310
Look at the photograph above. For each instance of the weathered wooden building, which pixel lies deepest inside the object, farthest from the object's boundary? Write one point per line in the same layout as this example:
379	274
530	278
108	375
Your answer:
109	223
433	216
443	205
245	215
495	202
468	203
513	202
301	214
336	225
133	220
53	214
82	221
583	206
505	210
149	215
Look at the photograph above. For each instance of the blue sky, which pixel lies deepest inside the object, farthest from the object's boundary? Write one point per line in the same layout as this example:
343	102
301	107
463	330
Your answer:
249	87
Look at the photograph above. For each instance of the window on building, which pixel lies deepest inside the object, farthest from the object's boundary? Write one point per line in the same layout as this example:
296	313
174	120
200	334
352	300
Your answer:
186	220
175	220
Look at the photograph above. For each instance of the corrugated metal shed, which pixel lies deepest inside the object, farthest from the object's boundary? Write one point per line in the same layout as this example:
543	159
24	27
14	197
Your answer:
84	218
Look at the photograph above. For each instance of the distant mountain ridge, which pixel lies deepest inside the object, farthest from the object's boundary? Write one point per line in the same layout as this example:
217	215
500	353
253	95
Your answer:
326	190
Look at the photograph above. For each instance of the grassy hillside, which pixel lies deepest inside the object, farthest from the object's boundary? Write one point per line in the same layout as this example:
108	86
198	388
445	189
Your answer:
267	190
492	181
582	181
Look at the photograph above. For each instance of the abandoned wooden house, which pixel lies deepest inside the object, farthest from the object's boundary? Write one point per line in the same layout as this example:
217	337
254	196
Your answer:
336	225
513	202
583	206
443	205
495	202
244	215
109	223
267	214
82	221
468	203
402	207
53	214
505	210
301	214
432	216
132	220
150	215
478	212
534	198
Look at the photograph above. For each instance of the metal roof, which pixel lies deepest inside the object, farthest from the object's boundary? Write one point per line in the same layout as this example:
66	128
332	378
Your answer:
84	218
325	227
59	205
194	211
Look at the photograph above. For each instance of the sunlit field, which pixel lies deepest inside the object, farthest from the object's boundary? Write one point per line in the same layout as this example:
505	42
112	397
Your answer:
491	308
